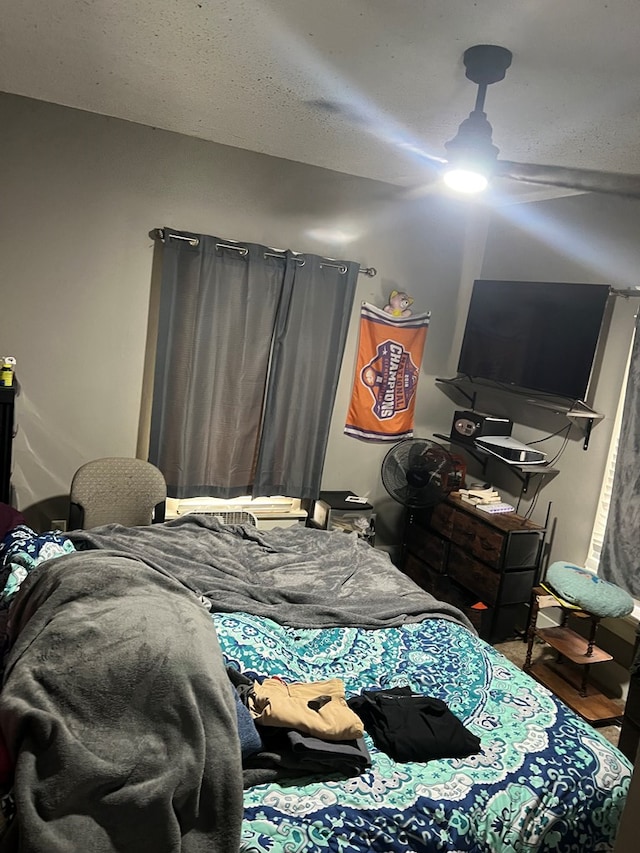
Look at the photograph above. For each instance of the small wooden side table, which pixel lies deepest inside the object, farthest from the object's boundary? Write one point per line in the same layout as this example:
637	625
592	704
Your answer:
568	676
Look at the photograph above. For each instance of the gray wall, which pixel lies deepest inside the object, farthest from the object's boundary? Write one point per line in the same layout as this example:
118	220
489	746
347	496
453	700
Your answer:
582	239
80	193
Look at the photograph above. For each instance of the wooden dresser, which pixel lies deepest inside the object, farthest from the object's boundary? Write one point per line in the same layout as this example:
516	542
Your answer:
467	557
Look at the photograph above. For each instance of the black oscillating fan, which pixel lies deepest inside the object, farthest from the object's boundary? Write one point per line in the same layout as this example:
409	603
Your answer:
418	473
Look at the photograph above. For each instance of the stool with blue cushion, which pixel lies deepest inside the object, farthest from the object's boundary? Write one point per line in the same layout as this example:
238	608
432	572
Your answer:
587	591
582	594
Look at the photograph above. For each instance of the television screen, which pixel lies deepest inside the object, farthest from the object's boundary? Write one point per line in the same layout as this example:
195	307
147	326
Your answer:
540	336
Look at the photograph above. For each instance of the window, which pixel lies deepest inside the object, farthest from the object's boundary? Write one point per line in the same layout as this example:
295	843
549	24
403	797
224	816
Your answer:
600	524
592	561
250	343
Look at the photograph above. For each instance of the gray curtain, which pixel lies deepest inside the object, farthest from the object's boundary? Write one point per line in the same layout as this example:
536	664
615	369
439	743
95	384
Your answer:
620	558
309	339
248	357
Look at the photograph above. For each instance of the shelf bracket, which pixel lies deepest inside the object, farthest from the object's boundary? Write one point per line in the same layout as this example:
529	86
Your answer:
587	433
483	459
524	479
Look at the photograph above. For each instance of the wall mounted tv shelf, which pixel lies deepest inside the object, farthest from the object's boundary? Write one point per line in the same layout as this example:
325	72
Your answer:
522	472
576	411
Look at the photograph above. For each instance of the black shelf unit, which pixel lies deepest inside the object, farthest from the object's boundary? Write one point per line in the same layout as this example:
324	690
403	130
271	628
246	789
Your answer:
7	402
522	472
577	411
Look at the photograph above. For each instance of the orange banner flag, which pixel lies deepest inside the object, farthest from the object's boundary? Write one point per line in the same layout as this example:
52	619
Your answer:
387	368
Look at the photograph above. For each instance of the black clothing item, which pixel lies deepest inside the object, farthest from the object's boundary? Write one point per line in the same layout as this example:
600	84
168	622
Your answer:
250	741
301	754
318	702
242	684
289	754
314	755
410	727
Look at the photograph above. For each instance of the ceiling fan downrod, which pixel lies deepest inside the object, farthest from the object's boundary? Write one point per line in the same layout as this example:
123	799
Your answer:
485	64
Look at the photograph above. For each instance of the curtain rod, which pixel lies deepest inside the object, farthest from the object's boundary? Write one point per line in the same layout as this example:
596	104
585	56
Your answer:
158	233
629	293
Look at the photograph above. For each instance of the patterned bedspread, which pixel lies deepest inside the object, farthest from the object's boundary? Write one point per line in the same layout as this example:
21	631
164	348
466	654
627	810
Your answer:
544	780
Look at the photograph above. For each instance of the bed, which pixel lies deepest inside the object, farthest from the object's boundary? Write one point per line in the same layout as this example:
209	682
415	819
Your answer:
307	606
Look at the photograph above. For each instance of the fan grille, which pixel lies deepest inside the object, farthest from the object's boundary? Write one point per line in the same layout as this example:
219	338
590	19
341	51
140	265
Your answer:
417	472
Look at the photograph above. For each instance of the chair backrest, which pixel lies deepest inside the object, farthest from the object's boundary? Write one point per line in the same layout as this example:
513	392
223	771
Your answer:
117	490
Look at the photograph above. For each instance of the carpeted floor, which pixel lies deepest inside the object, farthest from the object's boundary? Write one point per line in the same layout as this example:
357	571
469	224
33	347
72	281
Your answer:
516	651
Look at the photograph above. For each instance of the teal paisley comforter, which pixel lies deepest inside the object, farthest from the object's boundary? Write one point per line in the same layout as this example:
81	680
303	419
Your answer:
544	780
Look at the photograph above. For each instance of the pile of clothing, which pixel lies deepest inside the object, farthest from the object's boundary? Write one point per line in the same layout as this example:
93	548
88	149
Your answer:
290	729
296	729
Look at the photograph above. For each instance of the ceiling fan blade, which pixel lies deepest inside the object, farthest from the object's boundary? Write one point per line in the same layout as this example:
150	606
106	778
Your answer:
584	180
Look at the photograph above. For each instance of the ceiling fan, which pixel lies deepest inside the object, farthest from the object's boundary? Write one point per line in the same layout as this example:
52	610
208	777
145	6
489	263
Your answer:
473	157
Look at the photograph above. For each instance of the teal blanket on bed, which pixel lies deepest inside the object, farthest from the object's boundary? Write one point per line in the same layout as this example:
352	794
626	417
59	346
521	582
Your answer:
544	780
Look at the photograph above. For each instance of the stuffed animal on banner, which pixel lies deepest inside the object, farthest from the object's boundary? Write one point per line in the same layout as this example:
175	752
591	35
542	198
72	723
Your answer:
398	305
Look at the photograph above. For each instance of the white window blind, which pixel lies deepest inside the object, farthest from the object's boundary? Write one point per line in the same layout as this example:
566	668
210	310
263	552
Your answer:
599	526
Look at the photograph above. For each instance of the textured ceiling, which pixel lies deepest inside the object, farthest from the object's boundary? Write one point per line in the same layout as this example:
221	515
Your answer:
358	86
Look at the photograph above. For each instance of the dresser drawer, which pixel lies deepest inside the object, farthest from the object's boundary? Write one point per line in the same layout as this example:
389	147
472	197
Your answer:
442	518
522	550
474	575
430	580
517	586
480	539
429	547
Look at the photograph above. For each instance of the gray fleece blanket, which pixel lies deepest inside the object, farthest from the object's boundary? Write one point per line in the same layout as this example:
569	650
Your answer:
118	712
298	576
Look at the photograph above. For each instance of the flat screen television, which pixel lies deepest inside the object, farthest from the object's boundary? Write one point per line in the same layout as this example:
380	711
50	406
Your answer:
537	336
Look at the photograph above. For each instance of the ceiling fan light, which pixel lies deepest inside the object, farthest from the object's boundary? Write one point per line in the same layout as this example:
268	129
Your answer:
465	181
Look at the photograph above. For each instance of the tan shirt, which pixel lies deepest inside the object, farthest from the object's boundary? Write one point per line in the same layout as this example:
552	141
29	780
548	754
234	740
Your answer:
278	703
